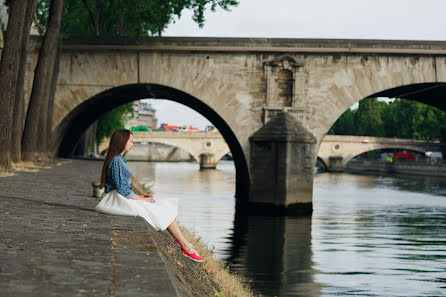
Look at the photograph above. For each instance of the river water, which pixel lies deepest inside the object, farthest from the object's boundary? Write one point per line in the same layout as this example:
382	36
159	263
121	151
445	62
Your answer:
368	235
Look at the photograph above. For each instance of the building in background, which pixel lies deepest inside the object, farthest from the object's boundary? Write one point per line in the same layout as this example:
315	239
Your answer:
144	115
3	20
3	15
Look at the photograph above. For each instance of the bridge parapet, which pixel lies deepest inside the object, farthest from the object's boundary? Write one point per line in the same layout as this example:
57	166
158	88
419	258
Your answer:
284	45
140	136
380	140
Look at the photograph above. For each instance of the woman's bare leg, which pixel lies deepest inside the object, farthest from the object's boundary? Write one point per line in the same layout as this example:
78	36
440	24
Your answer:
176	232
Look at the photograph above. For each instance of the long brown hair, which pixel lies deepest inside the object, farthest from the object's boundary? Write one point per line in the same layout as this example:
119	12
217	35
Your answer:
117	145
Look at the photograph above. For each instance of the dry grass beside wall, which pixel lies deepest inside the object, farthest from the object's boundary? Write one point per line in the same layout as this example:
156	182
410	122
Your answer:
231	285
7	173
30	166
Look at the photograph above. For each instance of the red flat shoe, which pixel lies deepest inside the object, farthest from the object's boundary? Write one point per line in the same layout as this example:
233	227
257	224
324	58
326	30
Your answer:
195	257
176	241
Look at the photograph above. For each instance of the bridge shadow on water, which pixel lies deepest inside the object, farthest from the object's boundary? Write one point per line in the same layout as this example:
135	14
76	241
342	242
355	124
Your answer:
273	254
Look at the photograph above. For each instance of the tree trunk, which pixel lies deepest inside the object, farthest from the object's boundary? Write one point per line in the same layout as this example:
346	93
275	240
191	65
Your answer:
19	105
35	138
9	69
91	138
98	18
52	93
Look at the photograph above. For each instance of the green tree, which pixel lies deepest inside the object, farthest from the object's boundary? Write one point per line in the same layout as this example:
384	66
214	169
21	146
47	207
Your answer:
113	120
345	125
400	118
131	18
408	115
391	121
368	118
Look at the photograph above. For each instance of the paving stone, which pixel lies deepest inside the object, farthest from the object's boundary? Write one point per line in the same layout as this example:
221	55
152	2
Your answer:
53	243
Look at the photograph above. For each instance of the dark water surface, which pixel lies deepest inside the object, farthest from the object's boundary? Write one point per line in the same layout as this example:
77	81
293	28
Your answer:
368	236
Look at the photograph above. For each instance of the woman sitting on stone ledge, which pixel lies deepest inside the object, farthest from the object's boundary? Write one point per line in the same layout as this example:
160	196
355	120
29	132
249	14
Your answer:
119	198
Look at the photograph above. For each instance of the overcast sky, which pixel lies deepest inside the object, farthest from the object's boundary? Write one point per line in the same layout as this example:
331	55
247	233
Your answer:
351	19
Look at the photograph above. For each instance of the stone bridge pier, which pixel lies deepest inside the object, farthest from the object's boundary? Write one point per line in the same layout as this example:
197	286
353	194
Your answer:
208	161
283	154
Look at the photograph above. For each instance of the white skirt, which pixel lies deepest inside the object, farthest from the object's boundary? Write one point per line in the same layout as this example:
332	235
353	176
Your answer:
158	214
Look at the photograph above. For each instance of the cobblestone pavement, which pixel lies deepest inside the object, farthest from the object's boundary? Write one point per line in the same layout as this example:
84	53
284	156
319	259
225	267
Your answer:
53	243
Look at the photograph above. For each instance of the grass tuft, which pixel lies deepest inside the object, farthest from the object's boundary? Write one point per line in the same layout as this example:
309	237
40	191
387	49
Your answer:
228	283
5	173
30	166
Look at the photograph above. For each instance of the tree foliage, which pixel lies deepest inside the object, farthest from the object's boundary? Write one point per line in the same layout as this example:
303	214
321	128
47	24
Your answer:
113	120
400	118
368	118
131	18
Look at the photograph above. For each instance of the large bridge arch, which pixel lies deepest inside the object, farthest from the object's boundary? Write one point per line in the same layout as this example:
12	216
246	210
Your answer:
430	92
368	85
72	127
337	81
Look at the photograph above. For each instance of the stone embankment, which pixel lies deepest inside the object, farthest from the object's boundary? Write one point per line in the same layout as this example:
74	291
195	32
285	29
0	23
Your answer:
53	243
412	168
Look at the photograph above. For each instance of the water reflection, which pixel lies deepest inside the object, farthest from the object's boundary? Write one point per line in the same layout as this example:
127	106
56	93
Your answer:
206	202
412	183
185	178
384	240
273	254
368	236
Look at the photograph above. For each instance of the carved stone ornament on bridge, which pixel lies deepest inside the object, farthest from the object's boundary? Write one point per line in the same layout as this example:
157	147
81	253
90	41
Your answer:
282	85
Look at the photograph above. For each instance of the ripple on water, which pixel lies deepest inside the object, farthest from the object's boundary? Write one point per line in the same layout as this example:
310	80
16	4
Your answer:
368	236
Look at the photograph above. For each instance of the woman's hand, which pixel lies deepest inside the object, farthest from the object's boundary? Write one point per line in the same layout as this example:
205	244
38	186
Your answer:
144	197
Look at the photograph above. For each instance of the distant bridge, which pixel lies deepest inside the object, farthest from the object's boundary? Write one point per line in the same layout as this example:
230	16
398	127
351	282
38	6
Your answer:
337	150
207	148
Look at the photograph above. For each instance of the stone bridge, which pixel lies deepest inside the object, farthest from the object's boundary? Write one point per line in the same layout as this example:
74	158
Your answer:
207	148
337	150
273	100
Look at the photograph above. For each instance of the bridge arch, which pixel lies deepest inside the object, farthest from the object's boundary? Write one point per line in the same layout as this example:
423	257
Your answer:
72	127
322	162
206	148
351	156
430	93
337	150
415	87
